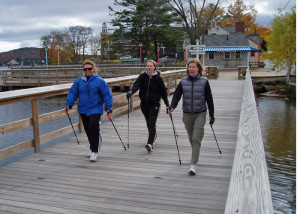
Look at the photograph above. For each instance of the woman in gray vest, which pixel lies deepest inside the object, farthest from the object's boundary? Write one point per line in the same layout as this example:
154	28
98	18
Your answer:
196	98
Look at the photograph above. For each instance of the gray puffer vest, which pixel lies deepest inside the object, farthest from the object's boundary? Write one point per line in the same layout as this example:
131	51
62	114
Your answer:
194	94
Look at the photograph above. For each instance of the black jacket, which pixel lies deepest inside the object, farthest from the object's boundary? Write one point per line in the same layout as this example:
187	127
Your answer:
152	89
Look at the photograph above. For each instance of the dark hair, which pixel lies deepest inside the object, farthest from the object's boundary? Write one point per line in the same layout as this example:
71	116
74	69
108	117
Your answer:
198	63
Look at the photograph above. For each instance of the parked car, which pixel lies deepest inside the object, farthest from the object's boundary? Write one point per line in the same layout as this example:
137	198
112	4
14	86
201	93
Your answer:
125	57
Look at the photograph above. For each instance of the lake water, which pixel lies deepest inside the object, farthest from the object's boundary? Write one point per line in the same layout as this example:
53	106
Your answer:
278	124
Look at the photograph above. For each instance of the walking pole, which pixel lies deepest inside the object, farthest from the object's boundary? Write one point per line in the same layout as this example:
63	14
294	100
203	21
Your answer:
175	135
128	124
215	138
117	133
72	127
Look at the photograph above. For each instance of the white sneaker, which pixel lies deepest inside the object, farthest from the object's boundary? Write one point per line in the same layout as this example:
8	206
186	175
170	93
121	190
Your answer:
192	170
148	147
93	157
89	154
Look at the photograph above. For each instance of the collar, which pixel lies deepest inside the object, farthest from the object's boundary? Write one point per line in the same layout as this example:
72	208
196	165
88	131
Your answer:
194	77
154	73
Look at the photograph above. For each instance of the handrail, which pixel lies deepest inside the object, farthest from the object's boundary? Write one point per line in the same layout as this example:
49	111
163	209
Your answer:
34	94
249	189
53	76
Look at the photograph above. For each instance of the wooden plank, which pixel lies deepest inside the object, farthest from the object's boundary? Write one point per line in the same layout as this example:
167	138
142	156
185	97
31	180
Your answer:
62	179
20	124
12	150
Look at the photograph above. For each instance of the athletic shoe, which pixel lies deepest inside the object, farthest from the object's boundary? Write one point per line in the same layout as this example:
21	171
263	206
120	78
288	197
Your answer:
93	157
89	154
192	170
148	147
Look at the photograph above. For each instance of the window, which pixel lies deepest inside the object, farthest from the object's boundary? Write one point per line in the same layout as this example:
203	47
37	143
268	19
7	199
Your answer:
211	56
237	55
252	54
227	55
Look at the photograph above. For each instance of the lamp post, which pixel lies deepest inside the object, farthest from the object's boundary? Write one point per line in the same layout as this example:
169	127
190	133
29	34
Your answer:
58	57
46	50
141	52
57	54
157	52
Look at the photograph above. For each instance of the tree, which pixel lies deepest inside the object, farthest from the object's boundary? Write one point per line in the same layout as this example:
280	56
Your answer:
58	41
79	36
281	43
95	44
239	12
195	16
146	22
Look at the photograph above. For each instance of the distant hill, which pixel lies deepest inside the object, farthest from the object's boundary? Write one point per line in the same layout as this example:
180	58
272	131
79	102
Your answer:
27	55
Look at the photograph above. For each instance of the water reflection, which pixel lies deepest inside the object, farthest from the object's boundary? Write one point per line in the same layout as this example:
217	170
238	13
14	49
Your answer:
278	124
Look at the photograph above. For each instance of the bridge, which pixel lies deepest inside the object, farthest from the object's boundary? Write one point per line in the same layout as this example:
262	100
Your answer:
61	179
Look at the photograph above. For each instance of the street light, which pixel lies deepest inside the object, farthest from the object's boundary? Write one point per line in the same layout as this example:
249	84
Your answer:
157	52
57	54
46	50
141	53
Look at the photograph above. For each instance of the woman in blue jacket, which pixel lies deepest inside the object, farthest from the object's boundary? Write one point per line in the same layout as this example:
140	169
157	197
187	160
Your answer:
93	92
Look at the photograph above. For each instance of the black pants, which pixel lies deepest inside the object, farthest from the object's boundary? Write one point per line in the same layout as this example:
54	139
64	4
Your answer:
150	113
92	126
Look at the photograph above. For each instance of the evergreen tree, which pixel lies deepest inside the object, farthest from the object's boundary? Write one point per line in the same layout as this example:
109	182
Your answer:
147	22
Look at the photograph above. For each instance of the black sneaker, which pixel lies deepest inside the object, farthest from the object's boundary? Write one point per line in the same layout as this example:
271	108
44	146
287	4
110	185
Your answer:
148	147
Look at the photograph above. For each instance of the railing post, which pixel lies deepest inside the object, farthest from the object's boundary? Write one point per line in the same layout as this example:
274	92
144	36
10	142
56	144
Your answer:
22	78
176	80
80	124
35	124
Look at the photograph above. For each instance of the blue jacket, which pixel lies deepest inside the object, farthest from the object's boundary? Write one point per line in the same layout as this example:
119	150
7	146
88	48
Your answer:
92	92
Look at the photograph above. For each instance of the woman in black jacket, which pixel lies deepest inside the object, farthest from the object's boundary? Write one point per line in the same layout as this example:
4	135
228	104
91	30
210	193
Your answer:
152	89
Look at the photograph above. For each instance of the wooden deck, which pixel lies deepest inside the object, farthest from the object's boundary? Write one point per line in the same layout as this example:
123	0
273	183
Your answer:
61	179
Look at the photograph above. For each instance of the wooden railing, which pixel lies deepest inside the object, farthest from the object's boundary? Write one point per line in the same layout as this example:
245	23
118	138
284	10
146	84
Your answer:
34	94
45	77
249	190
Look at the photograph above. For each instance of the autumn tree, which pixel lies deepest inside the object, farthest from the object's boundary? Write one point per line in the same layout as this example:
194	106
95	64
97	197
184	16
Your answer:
281	42
57	41
240	12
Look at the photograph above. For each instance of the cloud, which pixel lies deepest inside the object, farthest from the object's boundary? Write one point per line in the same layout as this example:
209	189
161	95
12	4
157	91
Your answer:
24	22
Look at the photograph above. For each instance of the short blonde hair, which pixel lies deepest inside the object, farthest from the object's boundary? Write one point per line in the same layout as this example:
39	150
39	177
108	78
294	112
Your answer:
199	65
89	62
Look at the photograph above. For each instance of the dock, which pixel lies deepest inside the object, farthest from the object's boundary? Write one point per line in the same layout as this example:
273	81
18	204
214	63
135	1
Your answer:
61	179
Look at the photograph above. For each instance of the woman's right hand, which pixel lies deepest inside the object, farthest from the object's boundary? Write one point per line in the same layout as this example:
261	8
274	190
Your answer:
67	110
169	110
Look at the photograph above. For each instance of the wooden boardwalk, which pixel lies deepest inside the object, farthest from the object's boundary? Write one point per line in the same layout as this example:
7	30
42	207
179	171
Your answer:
61	179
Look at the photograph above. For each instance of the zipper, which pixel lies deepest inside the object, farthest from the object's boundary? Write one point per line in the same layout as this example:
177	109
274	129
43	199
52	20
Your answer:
148	89
192	96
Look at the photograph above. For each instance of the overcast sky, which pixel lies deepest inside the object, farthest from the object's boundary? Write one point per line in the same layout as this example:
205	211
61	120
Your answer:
24	22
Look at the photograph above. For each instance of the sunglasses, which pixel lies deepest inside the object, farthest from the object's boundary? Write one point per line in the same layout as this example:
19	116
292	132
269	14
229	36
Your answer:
85	69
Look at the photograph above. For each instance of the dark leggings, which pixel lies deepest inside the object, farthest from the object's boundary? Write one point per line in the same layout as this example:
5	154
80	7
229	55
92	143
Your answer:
150	113
91	126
